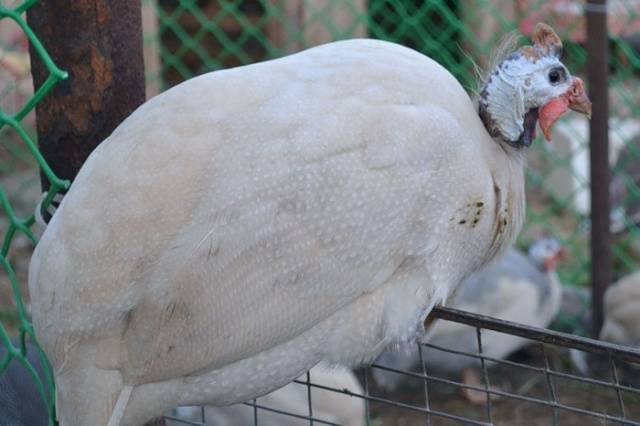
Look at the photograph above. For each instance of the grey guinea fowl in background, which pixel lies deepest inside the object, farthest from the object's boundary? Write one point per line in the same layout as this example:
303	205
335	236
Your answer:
249	223
519	288
21	403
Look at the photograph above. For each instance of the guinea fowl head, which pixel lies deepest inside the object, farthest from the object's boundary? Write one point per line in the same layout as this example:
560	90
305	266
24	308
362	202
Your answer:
546	253
530	84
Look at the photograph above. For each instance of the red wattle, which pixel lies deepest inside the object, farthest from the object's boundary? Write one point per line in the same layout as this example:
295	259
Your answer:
550	112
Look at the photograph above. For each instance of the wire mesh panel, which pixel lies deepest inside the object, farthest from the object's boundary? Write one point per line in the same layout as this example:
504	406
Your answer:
556	379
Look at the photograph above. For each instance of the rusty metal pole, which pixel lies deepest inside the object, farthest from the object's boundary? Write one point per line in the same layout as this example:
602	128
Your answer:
99	43
598	76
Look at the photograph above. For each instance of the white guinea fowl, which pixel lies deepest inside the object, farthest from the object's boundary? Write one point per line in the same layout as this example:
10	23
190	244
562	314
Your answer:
249	223
622	312
518	288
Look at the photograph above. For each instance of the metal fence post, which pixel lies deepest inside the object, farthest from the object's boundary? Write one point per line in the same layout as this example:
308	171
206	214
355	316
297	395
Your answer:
100	44
598	76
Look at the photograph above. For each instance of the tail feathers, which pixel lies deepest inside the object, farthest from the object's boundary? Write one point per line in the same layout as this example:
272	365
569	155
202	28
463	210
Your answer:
86	394
91	390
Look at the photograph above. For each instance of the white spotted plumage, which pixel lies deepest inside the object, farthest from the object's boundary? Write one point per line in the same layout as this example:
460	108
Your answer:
247	224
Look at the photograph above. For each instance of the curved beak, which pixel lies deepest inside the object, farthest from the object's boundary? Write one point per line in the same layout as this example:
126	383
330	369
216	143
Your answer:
574	98
578	100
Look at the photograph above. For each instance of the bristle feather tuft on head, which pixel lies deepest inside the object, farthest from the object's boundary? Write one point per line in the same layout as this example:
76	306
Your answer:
507	46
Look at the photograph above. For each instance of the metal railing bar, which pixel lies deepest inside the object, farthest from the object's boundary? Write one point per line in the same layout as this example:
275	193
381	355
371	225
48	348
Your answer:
485	373
427	404
309	398
366	400
618	392
290	414
547	376
182	421
538	334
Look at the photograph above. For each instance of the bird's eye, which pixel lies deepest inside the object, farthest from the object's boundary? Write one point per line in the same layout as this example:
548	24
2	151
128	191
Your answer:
556	75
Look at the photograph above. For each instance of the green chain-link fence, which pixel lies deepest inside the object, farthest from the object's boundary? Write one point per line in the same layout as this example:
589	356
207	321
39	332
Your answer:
16	332
189	37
